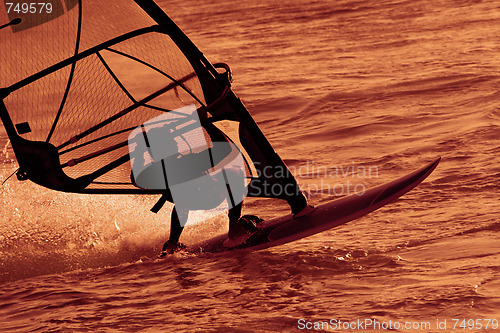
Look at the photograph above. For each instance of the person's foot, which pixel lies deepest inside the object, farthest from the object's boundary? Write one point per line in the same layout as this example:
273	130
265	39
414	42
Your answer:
170	247
247	224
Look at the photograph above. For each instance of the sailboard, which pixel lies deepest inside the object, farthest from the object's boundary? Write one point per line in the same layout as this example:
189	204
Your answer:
73	102
332	214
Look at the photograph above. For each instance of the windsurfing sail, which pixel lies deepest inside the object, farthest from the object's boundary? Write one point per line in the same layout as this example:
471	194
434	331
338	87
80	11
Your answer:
78	76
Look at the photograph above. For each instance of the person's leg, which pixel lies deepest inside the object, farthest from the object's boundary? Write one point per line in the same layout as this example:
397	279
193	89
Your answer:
235	183
177	222
234	215
297	203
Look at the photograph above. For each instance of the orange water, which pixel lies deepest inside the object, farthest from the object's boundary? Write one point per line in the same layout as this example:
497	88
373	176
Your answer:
388	84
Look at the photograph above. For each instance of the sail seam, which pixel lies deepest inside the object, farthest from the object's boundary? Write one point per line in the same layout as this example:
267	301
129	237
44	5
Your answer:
115	77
